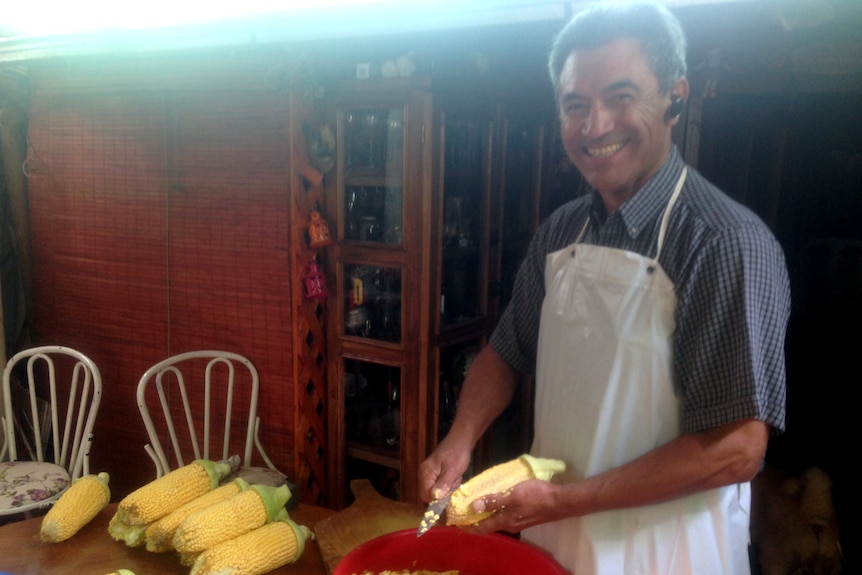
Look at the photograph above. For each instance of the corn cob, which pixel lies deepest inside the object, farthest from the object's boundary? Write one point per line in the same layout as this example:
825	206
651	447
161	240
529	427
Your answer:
160	534
76	507
230	518
498	479
257	552
121	572
188	558
161	496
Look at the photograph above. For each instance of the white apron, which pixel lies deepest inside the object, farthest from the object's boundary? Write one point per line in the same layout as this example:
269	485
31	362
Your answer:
605	396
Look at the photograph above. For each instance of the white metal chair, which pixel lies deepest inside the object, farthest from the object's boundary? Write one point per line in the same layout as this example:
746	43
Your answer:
5	447
192	424
51	421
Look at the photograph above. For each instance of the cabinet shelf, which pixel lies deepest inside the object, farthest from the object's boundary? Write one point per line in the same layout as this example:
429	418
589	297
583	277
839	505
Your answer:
373	178
387	457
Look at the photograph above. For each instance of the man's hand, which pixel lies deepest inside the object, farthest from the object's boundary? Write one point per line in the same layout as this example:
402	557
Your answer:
442	471
528	503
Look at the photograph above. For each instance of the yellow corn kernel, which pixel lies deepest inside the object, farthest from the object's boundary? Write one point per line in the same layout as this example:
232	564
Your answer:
159	535
76	507
498	479
259	551
230	518
159	497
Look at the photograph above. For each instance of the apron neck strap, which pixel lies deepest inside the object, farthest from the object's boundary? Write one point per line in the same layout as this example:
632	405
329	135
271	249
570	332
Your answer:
666	217
583	231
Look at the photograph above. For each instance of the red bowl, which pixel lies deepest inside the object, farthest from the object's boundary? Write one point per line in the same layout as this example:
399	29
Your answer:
446	548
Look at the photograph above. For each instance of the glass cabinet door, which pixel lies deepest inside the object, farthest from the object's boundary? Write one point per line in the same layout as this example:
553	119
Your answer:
372	409
372	302
464	204
373	154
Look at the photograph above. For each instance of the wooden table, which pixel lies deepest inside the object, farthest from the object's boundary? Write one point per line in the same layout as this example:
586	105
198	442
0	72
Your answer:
93	552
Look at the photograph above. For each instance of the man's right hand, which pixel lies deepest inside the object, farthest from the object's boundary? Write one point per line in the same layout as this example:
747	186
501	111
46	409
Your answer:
442	471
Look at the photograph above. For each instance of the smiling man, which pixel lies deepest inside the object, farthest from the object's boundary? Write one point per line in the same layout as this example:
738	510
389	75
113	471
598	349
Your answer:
652	313
615	119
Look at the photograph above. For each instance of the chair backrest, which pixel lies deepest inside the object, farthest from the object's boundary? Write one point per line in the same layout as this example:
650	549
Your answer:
190	423
69	385
4	449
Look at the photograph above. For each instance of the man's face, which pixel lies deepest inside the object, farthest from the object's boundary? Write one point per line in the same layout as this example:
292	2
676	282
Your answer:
613	118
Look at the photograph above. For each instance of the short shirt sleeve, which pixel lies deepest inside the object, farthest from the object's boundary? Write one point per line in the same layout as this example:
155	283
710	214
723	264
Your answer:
735	303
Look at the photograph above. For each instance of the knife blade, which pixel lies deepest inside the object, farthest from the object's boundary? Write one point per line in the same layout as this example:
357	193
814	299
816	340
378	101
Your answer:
432	514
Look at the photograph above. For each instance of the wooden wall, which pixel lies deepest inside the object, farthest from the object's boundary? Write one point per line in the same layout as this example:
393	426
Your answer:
159	205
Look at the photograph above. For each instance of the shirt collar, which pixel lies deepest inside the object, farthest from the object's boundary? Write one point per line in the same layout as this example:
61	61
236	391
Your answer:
639	211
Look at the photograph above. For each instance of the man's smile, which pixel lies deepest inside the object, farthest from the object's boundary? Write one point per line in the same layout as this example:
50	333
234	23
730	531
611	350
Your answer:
604	151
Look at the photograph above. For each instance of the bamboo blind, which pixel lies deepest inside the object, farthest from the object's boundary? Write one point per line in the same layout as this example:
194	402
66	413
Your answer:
161	224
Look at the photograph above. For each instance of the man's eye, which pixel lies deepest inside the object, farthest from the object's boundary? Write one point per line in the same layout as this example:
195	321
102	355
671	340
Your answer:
621	99
576	109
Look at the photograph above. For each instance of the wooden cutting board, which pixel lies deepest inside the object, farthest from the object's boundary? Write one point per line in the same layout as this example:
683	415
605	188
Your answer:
370	515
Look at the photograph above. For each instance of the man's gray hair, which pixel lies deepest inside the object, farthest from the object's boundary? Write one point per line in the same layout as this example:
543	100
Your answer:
654	26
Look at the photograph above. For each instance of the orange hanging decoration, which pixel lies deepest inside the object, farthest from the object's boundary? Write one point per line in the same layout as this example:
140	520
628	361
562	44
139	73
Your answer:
318	230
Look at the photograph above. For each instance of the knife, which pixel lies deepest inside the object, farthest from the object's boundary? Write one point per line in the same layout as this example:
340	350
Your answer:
432	514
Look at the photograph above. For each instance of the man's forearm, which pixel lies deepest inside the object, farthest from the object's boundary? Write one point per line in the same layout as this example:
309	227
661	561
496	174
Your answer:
487	390
693	462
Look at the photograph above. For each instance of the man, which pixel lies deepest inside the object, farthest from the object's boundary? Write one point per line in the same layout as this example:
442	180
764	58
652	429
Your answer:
653	314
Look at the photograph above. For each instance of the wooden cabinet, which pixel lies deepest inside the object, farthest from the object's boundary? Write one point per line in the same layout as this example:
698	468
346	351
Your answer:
381	304
408	305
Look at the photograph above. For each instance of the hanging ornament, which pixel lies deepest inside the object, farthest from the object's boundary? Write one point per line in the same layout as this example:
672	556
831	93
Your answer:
318	229
315	282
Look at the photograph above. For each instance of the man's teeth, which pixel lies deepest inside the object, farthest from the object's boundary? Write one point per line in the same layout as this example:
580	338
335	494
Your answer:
604	151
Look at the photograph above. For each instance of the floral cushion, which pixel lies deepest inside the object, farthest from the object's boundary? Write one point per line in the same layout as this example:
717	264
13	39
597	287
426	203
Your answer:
24	483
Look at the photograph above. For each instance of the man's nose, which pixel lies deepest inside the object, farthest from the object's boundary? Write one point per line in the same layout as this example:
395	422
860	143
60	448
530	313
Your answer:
598	121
